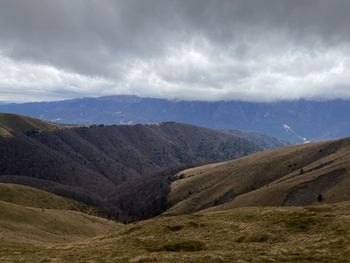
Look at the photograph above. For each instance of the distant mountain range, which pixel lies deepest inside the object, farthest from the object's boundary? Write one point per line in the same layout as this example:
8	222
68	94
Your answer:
296	121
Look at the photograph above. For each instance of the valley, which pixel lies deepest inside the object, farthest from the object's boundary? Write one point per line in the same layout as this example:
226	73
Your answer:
168	192
125	170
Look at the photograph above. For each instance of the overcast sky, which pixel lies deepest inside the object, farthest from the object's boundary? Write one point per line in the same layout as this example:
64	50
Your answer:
255	50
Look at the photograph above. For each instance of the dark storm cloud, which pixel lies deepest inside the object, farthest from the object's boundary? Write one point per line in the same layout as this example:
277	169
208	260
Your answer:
191	49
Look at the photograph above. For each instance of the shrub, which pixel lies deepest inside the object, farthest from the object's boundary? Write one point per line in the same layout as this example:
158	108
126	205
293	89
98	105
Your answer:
175	227
320	198
188	245
300	223
31	132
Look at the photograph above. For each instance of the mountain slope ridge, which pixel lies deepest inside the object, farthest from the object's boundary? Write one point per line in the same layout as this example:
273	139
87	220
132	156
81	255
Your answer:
13	123
294	175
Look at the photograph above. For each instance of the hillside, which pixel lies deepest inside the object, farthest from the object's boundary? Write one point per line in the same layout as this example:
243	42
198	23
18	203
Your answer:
293	234
34	217
126	170
33	197
313	120
12	123
22	225
295	175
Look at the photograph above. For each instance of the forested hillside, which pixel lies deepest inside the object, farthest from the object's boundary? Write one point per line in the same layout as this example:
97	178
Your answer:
126	170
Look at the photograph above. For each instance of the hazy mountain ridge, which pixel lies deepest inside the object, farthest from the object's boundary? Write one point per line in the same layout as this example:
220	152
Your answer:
313	120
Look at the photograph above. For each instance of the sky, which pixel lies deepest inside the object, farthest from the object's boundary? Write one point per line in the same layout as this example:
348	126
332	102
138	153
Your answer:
251	50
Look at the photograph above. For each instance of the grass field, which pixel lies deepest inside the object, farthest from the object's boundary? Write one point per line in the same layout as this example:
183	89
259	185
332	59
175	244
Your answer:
288	234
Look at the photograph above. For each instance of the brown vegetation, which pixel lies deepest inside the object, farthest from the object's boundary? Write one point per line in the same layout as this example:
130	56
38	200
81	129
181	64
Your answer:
295	175
281	234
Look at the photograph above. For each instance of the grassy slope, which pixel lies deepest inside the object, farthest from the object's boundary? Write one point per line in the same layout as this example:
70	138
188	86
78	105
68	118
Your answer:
10	123
267	178
289	234
32	197
30	217
21	225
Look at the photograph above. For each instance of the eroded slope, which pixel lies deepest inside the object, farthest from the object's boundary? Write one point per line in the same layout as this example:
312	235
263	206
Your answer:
295	175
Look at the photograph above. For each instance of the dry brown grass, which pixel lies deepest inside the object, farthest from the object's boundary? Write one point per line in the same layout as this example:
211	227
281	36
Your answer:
29	226
33	197
294	175
293	234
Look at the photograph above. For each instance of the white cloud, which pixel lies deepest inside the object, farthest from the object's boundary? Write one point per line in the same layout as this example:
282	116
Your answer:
212	74
24	81
204	50
203	73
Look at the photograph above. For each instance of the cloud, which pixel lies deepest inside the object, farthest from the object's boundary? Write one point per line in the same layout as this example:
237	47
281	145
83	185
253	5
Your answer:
25	81
262	50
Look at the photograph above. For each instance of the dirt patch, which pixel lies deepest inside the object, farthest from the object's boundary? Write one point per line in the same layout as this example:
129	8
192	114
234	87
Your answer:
310	192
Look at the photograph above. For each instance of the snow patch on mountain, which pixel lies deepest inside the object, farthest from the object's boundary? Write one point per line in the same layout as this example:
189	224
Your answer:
290	130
